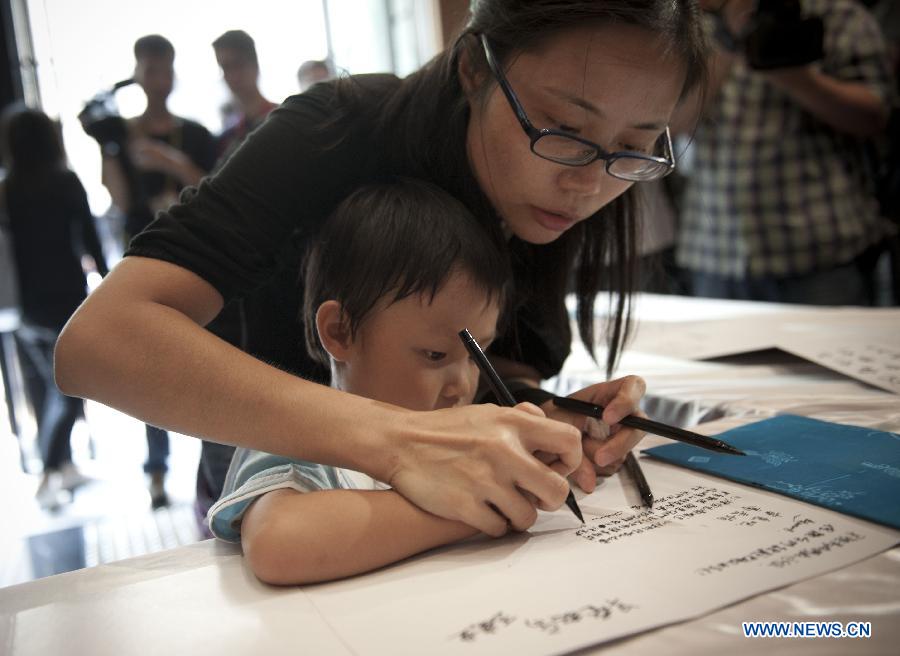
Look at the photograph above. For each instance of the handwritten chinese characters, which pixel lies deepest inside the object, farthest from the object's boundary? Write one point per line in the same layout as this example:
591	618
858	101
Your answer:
693	502
487	627
876	364
813	543
709	502
550	625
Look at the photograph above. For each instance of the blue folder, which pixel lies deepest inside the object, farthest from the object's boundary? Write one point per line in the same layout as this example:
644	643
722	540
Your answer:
850	469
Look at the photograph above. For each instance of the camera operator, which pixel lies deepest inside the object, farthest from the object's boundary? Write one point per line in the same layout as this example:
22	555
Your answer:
781	204
147	160
167	152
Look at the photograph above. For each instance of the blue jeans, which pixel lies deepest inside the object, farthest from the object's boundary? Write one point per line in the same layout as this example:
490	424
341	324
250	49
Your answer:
59	412
843	285
157	450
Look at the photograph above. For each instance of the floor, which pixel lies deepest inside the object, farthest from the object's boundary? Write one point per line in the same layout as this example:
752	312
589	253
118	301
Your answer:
108	519
105	520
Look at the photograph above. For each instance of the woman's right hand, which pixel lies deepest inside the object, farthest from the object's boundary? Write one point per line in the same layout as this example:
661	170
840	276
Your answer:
476	464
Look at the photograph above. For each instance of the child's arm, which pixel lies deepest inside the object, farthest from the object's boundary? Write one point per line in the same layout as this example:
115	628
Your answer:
291	537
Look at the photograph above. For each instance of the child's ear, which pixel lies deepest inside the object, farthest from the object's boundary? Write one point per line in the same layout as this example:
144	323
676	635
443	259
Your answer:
334	330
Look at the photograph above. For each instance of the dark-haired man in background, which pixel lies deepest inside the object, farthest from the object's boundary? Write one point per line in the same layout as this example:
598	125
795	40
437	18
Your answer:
236	56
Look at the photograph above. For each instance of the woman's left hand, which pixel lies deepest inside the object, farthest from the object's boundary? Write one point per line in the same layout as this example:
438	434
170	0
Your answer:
605	443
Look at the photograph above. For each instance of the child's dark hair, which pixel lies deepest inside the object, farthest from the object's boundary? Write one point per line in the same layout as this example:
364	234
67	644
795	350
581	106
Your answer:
403	237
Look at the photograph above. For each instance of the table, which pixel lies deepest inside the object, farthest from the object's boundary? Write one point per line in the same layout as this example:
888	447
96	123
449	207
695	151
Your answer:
729	392
201	599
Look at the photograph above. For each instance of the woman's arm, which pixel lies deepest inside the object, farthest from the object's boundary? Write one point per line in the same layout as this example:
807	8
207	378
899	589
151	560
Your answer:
137	345
292	538
113	178
89	240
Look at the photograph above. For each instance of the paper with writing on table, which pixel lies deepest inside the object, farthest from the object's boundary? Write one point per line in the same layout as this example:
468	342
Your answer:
860	343
705	544
875	363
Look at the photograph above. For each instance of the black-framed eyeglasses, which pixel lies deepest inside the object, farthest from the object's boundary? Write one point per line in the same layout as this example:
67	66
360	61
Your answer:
564	148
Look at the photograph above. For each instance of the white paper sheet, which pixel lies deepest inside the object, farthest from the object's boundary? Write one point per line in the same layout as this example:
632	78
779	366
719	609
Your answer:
699	340
875	363
706	544
860	343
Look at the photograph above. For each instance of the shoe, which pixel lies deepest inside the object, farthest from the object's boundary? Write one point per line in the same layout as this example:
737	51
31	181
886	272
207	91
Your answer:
158	496
48	491
71	478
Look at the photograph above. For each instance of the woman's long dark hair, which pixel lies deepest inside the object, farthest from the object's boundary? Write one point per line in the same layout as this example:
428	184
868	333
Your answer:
431	113
31	146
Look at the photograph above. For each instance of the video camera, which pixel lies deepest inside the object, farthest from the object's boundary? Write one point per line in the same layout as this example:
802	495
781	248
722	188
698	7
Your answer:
777	36
100	118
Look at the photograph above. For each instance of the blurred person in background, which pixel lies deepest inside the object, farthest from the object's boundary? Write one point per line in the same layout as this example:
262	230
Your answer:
163	154
312	72
781	205
168	152
45	208
236	56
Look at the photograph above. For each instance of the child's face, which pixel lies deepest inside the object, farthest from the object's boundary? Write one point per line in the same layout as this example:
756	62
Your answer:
409	353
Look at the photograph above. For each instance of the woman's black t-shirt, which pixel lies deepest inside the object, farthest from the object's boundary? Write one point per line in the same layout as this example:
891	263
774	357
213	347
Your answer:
245	230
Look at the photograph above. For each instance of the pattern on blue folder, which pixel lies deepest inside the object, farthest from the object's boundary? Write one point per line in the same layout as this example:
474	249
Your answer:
850	469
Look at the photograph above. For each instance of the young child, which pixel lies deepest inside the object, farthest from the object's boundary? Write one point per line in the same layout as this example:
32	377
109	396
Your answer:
388	330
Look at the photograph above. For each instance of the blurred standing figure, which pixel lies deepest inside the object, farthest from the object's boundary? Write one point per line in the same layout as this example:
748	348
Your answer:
313	71
781	205
164	153
236	55
168	152
52	227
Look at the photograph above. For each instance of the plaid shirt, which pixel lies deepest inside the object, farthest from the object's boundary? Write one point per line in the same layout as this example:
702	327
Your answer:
774	191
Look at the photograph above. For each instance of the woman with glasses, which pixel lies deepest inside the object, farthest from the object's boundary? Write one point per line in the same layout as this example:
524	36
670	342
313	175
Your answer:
539	117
